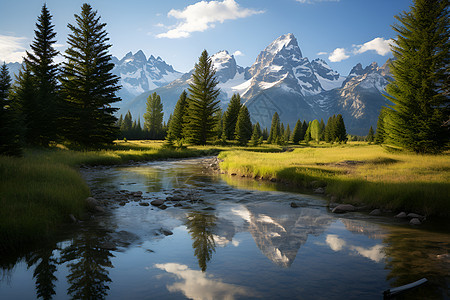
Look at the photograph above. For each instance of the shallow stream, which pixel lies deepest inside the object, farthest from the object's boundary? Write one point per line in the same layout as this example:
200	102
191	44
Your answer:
224	237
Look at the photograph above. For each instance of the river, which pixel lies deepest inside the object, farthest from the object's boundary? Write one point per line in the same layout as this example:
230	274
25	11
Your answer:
223	237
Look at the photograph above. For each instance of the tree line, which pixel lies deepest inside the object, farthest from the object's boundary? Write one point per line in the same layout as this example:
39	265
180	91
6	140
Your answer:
69	102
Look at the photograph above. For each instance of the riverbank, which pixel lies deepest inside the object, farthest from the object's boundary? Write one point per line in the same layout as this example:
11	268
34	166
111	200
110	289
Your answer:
355	173
43	190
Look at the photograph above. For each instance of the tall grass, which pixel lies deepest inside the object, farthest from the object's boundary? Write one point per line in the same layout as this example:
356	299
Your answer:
357	174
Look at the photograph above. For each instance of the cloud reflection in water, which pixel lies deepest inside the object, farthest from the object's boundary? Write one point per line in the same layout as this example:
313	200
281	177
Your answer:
375	253
197	285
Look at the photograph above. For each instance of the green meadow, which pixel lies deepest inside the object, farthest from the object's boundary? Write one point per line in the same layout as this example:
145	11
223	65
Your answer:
356	173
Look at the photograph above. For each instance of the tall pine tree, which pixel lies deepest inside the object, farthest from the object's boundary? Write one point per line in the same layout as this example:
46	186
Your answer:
243	127
202	102
420	71
9	122
297	134
176	124
88	85
42	116
154	116
231	116
275	129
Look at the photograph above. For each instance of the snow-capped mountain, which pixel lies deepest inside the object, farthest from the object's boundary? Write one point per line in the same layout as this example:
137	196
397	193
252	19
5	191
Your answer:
282	80
360	98
139	74
228	73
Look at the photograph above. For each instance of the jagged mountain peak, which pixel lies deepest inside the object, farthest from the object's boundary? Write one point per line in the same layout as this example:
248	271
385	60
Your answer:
286	41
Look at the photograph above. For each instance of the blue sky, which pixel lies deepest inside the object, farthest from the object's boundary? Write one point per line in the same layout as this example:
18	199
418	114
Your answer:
342	32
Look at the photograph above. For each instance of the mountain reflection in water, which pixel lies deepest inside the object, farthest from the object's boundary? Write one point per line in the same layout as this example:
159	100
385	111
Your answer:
227	243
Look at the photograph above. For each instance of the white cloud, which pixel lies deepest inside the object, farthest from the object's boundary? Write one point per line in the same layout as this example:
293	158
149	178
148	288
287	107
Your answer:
315	1
203	15
338	54
12	48
335	243
195	284
322	53
238	53
376	253
379	45
160	25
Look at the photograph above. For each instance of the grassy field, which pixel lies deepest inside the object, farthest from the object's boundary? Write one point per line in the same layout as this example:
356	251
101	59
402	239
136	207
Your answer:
39	191
356	173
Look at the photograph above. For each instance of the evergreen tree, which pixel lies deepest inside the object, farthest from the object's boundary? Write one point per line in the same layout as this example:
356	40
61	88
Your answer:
127	123
287	133
380	133
9	122
88	85
256	138
153	118
322	130
231	116
330	130
282	130
304	128
420	70
42	122
297	135
274	129
243	127
370	135
341	133
265	134
202	102
175	131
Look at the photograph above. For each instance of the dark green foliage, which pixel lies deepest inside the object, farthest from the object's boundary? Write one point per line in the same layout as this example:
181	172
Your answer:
257	137
154	116
41	113
297	134
304	128
274	129
380	135
88	85
202	102
341	132
322	130
243	127
265	134
287	133
176	124
201	227
231	116
335	130
9	121
420	70
370	135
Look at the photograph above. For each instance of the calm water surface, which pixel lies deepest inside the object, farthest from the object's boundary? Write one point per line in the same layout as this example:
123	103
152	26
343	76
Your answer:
234	239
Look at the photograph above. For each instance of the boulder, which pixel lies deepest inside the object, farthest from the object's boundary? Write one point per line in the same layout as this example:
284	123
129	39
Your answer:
375	212
415	221
401	215
413	215
162	206
319	190
343	208
137	194
209	208
294	205
91	203
144	204
166	232
157	202
99	209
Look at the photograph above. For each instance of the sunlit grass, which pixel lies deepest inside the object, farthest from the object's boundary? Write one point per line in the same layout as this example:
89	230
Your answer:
357	173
